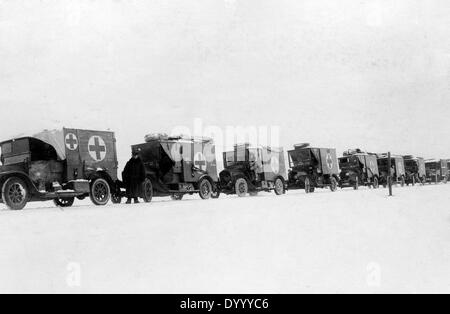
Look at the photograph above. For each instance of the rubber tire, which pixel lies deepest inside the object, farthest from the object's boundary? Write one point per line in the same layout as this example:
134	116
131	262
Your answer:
333	184
376	183
205	188
5	193
64	202
279	187
116	199
215	193
100	183
147	191
241	187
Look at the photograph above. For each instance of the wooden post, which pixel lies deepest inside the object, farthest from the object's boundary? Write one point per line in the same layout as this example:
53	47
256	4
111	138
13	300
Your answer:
389	174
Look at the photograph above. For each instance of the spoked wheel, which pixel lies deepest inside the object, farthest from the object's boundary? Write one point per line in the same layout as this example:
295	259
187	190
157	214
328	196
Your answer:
116	198
216	192
279	187
100	192
147	191
376	183
241	187
333	184
205	188
64	202
177	197
15	193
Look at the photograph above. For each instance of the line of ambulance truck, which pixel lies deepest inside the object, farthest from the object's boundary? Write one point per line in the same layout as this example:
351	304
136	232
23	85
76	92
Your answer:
69	164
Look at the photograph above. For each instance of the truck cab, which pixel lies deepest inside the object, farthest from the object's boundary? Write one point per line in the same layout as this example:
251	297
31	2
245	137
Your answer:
397	171
178	165
250	170
437	171
358	168
312	168
58	165
415	170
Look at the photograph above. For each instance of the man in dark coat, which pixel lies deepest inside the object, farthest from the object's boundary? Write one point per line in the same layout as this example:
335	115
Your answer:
133	177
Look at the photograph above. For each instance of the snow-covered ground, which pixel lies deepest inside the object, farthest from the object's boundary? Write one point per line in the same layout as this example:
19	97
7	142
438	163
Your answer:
349	241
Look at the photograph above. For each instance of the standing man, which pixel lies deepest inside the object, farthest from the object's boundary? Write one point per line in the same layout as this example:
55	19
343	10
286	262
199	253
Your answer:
133	177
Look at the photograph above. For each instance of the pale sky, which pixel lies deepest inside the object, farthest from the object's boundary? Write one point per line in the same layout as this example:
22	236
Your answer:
345	73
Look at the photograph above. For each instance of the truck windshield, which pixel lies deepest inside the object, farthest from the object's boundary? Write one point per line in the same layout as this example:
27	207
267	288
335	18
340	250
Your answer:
299	157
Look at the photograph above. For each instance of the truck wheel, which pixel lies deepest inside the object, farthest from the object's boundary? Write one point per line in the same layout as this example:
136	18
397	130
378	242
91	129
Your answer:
215	193
64	202
116	198
15	193
147	191
100	192
241	187
177	197
376	183
333	184
279	187
205	188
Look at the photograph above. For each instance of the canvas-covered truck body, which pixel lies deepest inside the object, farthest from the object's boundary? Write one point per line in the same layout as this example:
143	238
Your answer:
415	170
58	165
179	165
312	168
397	170
437	171
358	168
250	170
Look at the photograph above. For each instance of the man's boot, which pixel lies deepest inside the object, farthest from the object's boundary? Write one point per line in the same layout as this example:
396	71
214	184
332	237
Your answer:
128	201
136	200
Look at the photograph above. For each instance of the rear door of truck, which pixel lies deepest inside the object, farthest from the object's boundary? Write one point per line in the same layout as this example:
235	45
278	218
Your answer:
90	151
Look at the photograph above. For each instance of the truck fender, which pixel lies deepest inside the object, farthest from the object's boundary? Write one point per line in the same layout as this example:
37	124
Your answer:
22	175
207	177
104	175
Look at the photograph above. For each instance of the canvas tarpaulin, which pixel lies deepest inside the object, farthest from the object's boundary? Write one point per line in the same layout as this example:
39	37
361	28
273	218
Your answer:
55	138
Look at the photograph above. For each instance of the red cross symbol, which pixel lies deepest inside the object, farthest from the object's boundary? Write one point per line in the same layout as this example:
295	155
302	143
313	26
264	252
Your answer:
96	148
71	141
330	162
